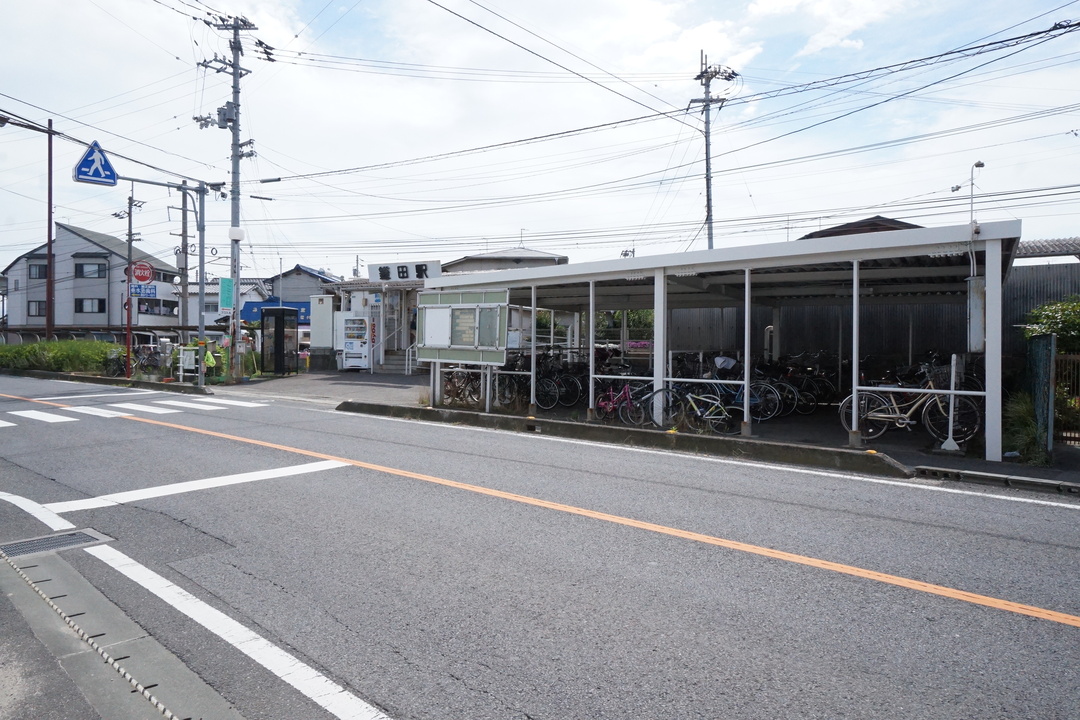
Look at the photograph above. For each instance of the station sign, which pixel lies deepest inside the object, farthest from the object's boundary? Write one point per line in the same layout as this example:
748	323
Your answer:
404	271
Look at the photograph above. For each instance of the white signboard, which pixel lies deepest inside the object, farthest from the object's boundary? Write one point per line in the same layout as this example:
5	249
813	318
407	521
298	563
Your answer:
404	271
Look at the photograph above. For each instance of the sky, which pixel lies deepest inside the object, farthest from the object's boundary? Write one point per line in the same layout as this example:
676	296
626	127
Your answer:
416	130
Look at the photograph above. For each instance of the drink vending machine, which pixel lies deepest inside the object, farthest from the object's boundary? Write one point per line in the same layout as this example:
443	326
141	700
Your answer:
354	343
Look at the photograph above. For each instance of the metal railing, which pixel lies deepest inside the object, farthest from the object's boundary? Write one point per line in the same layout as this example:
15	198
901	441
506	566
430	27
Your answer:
1067	399
375	349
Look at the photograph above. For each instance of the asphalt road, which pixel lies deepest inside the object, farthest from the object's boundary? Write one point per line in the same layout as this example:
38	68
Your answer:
434	571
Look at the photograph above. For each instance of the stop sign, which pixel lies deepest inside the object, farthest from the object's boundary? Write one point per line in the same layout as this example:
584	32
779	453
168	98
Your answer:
142	272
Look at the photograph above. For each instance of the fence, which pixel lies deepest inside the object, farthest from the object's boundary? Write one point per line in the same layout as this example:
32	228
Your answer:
1067	402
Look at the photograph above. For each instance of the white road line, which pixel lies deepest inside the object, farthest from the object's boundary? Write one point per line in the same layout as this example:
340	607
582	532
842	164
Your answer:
124	393
5	423
181	403
237	403
144	408
335	699
42	416
50	518
99	412
191	485
906	484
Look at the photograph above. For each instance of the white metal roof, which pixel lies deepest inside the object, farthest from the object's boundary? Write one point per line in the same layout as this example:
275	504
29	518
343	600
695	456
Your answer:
922	264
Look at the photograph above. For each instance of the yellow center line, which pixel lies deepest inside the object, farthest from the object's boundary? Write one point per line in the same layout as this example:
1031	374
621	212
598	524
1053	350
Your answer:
852	570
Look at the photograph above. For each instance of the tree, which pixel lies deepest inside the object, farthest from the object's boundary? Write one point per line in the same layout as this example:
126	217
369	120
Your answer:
1061	318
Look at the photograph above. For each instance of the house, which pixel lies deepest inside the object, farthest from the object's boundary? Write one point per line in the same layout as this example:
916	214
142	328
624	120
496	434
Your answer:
89	288
253	291
519	257
300	283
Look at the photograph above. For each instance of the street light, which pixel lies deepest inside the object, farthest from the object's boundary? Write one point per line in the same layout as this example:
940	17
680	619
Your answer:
978	164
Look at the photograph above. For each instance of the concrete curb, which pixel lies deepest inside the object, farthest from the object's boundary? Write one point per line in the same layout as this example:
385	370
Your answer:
985	478
844	460
116	382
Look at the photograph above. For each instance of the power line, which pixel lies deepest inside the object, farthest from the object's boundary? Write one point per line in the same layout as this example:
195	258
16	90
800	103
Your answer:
549	60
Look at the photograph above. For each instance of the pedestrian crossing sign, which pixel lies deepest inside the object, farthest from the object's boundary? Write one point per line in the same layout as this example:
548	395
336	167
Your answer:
94	167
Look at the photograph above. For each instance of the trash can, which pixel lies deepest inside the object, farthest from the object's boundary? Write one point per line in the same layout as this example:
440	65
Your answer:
339	360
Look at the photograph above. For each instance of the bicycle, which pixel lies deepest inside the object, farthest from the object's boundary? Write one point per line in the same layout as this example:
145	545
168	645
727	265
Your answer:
884	408
115	365
610	403
461	387
708	412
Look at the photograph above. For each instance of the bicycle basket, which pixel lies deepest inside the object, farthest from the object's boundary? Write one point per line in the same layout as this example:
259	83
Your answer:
939	375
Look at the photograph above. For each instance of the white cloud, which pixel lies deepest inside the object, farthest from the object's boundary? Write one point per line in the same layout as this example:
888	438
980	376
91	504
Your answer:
839	19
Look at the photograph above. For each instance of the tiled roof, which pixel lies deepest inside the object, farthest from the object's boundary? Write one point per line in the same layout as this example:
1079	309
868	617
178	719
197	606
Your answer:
1048	248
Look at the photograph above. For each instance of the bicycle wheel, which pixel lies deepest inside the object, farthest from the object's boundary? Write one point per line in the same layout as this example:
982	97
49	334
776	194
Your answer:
569	390
689	415
871	408
632	412
967	419
547	393
806	404
114	367
764	401
730	423
789	398
451	389
824	389
668	402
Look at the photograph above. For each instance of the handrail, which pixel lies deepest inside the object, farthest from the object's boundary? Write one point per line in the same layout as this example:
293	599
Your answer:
375	348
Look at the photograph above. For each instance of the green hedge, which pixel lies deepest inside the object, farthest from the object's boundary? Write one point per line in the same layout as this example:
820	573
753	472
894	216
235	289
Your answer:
58	356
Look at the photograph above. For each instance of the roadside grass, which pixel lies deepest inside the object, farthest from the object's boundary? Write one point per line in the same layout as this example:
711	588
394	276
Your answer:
58	356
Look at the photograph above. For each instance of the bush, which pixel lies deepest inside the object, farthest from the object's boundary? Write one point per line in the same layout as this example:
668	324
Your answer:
1020	431
57	356
1061	318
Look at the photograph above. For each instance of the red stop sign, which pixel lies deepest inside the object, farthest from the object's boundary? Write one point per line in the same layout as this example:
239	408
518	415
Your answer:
142	272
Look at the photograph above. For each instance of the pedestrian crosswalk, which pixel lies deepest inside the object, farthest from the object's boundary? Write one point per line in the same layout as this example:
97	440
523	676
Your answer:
123	409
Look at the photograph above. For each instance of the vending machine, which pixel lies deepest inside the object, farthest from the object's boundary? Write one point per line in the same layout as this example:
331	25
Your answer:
354	343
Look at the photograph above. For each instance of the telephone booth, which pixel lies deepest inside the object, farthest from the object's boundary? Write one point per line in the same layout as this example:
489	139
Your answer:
280	340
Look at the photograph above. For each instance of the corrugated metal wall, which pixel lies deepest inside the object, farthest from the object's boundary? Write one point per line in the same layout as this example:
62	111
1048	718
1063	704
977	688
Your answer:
884	328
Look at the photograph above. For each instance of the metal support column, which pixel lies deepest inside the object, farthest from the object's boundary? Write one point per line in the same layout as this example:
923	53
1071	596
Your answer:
659	334
993	349
855	435
532	355
590	414
746	429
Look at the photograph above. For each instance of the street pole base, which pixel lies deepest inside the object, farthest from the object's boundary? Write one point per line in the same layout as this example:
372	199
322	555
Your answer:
854	439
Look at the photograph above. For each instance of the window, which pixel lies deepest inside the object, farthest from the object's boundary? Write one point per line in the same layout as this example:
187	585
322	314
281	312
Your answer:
35	308
90	305
39	272
89	270
154	306
210	307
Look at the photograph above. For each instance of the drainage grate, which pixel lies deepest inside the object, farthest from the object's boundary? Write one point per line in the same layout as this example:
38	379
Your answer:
48	544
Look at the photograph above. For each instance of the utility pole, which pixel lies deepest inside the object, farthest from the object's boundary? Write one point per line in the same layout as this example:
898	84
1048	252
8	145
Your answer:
183	254
228	116
182	259
50	269
706	76
132	203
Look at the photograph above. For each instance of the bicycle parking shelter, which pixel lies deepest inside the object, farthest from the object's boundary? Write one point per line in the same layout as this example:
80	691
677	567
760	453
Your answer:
963	264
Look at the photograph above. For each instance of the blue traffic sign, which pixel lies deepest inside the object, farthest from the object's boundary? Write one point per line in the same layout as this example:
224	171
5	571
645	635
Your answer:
95	167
